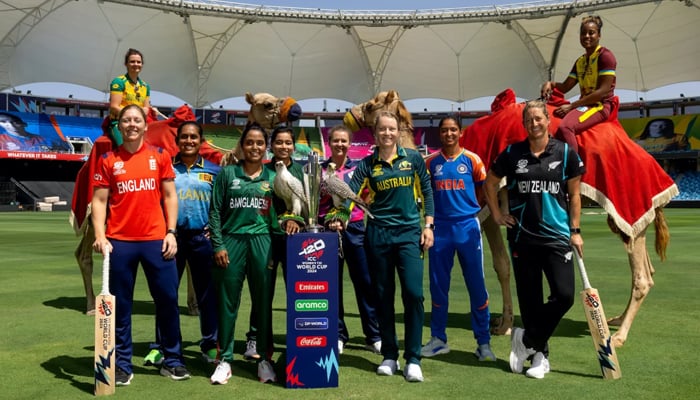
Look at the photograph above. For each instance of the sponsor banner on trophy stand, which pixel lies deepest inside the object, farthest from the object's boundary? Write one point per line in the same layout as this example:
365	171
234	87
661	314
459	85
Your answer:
312	310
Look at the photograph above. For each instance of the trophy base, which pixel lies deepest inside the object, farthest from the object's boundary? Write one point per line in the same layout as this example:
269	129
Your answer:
314	228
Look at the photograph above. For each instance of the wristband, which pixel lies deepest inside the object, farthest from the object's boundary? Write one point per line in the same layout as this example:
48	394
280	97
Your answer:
575	230
173	231
430	226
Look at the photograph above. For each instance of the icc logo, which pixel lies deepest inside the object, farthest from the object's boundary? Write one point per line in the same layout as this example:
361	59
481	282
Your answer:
312	249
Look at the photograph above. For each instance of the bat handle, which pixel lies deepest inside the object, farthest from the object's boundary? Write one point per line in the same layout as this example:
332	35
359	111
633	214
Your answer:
105	269
582	269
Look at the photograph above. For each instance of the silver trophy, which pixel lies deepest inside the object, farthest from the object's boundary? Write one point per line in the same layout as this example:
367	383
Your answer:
313	186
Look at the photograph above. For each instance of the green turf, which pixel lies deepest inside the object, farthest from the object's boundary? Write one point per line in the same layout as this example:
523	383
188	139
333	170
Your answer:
46	342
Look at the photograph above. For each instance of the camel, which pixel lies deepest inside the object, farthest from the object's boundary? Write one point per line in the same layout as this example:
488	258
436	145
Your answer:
265	109
364	115
614	163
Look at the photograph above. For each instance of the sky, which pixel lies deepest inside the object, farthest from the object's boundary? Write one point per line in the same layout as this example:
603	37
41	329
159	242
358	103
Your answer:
689	89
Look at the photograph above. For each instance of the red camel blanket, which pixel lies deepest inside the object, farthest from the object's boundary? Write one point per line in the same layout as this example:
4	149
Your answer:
160	133
620	175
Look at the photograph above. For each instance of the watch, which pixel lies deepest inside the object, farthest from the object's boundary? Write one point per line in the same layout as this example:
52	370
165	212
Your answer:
575	230
173	231
430	226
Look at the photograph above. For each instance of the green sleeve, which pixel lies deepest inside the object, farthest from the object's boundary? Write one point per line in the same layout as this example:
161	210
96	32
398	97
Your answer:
218	195
426	189
117	85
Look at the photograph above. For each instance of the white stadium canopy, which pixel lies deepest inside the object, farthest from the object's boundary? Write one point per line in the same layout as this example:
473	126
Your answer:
207	51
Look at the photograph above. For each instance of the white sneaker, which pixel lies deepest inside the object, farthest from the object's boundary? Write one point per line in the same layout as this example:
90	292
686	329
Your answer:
375	347
251	351
484	353
341	346
388	367
413	373
540	366
221	374
434	347
265	372
518	352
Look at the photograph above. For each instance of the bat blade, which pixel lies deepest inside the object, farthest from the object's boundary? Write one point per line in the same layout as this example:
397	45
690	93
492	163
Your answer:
104	365
598	325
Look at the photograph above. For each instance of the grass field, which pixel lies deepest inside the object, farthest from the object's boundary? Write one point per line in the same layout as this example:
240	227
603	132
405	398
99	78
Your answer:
46	342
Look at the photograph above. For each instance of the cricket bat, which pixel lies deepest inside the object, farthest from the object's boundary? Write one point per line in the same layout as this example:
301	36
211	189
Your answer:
105	317
598	325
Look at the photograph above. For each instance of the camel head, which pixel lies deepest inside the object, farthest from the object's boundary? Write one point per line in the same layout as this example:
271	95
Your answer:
364	115
268	110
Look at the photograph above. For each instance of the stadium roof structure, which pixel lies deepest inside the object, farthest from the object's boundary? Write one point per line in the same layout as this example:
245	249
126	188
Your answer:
207	51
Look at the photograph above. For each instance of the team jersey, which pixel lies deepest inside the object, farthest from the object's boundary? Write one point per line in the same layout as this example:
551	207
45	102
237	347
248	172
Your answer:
586	71
280	206
454	181
345	173
395	187
135	193
194	186
241	205
538	191
132	92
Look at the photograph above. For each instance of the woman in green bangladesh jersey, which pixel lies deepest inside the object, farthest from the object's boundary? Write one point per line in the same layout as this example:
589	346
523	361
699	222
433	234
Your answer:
241	220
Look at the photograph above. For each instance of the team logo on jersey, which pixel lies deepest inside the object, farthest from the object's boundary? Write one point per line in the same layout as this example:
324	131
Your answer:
522	167
405	166
152	164
265	186
377	170
235	184
118	168
553	165
438	170
206	177
462	169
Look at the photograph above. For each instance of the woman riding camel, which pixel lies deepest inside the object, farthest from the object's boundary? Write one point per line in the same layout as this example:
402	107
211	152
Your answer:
595	74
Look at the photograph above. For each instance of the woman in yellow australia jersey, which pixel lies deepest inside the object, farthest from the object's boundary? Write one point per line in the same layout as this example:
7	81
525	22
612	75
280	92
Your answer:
128	89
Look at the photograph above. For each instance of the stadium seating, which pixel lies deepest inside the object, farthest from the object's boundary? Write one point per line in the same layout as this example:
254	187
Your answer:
688	184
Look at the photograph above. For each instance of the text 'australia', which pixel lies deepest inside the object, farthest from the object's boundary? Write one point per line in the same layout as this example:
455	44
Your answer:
391	183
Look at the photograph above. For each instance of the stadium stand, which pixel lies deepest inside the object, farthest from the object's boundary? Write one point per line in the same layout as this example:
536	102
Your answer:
45	195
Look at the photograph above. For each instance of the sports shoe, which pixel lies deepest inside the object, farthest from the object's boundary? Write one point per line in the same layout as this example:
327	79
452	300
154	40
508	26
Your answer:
122	378
413	373
375	347
179	373
154	357
484	353
251	351
434	347
265	372
210	356
341	346
540	366
222	374
388	367
518	352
